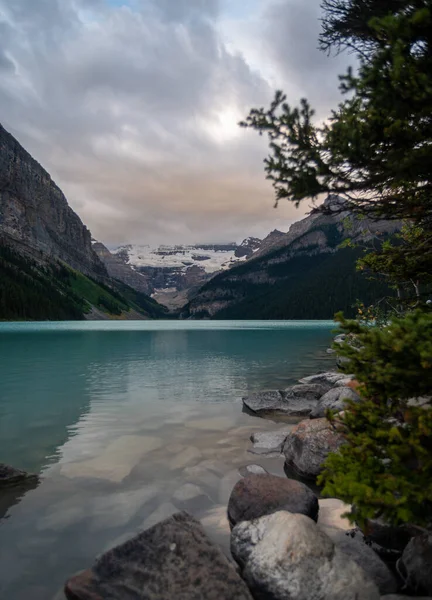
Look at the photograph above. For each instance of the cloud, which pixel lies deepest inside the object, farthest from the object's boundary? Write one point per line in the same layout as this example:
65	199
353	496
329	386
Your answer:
133	108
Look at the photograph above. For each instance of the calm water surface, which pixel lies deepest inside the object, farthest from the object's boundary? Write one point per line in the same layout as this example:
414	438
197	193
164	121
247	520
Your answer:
127	422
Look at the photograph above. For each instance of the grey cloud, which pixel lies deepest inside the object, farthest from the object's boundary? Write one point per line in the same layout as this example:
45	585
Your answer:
123	108
291	30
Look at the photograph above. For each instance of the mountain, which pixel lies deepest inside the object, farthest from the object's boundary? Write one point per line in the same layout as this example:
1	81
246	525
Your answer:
174	273
118	269
48	268
302	274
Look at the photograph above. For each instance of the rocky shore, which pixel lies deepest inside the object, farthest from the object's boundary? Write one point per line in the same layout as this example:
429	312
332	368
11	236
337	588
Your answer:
286	542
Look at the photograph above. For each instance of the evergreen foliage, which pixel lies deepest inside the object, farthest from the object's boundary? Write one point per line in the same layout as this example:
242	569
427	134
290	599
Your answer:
385	468
304	287
53	291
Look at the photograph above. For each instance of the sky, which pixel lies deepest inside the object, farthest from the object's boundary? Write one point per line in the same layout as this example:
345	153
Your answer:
132	106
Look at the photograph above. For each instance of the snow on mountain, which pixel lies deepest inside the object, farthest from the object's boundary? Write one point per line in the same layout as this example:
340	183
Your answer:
210	257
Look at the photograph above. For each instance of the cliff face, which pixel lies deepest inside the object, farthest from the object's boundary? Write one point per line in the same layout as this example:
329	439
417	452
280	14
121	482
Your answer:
35	217
118	269
287	266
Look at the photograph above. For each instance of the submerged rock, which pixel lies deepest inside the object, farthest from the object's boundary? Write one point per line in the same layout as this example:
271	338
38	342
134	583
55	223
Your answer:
252	470
309	444
334	400
258	495
173	559
268	442
295	401
9	476
285	556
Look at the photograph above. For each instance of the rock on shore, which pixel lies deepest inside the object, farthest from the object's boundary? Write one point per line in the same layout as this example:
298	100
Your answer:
173	559
308	445
286	556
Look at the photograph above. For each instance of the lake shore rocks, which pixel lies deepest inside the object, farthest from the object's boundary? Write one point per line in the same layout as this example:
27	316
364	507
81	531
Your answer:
334	400
286	556
258	495
268	442
295	401
308	445
173	559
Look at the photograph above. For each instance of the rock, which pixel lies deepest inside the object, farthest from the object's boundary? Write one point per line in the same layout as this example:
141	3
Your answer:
268	442
309	444
389	540
334	400
11	477
252	470
353	544
415	565
295	401
331	511
258	495
285	556
328	379
192	497
345	381
186	457
398	597
342	361
116	461
173	559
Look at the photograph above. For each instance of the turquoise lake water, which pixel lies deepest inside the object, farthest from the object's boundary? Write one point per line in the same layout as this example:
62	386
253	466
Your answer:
117	417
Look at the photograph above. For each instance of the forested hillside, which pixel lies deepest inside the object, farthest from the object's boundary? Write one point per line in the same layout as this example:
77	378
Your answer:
54	291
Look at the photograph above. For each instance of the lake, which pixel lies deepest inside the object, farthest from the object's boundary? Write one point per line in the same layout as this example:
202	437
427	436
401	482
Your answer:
127	422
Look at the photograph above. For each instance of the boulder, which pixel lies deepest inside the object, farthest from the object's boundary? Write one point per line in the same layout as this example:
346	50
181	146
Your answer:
334	400
308	445
173	559
331	519
328	379
345	382
258	495
285	556
353	544
415	565
9	476
295	401
268	442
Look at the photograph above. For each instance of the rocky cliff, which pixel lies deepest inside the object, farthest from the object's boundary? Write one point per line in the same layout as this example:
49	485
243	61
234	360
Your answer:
118	269
299	274
35	217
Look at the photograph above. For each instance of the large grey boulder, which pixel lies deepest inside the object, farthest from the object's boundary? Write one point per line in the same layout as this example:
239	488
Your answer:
353	544
258	495
285	556
334	400
415	565
173	559
295	401
308	445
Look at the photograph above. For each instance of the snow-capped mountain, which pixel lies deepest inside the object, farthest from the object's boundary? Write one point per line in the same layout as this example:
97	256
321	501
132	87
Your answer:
173	269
